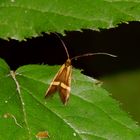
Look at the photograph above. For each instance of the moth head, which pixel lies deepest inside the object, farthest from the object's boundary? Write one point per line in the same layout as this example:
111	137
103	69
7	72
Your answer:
68	63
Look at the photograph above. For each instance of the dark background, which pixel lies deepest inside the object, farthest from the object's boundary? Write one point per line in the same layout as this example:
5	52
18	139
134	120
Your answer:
122	41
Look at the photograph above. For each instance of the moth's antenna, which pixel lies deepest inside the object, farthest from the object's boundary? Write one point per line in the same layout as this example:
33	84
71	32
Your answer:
63	44
83	55
90	54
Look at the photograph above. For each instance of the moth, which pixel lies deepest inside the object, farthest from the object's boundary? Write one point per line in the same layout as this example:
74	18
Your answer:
62	80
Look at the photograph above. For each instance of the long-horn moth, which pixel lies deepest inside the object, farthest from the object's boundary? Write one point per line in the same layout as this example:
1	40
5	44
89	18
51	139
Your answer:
62	80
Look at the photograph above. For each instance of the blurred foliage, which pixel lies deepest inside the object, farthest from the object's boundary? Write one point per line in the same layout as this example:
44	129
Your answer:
125	87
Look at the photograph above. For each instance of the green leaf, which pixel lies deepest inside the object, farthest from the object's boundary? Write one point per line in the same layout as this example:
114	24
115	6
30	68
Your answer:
20	19
90	114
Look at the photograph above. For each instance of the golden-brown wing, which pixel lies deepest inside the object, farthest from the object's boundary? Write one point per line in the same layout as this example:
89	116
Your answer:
61	82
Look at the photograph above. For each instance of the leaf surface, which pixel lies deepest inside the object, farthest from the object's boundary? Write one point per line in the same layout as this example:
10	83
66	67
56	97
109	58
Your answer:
90	114
20	19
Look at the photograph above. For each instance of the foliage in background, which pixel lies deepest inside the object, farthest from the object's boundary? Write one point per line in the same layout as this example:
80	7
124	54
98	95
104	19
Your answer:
126	88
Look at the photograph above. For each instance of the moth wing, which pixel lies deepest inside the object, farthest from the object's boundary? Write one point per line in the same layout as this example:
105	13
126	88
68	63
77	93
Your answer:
61	83
64	94
65	85
54	84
